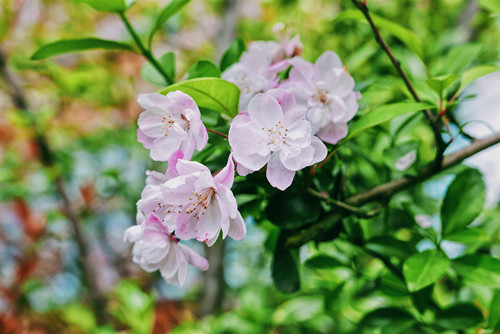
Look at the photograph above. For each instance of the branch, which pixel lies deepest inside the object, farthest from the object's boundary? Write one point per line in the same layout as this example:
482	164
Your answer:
354	210
145	52
47	159
434	122
387	190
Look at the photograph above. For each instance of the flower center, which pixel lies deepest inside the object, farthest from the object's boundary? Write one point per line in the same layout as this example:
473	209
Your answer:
169	121
321	97
200	202
277	136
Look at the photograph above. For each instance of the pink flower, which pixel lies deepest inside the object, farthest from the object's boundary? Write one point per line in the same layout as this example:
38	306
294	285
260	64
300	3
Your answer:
258	68
198	205
157	249
326	90
151	194
275	132
170	123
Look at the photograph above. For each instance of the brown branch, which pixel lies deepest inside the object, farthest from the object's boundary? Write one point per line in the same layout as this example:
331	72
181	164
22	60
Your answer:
387	190
47	159
217	133
434	122
345	206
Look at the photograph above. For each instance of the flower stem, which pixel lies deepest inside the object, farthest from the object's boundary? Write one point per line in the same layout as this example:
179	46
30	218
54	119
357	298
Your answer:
217	133
145	52
345	206
434	122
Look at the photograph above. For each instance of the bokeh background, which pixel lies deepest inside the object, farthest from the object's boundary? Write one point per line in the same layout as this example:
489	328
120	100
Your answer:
83	106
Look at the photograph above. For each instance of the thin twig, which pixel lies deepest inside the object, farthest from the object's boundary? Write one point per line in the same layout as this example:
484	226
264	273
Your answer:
47	159
434	122
352	209
217	133
145	52
387	190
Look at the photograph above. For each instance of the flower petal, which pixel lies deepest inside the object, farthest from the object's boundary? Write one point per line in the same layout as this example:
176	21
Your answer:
328	60
226	175
277	175
265	111
194	258
237	227
333	132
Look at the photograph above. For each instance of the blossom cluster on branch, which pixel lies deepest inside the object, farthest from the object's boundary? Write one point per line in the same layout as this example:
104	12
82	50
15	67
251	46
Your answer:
289	108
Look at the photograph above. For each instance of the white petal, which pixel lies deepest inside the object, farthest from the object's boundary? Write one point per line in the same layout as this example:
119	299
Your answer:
277	175
237	227
265	111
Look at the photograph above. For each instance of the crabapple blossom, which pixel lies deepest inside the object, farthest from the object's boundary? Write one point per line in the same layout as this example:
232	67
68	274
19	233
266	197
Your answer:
326	89
151	194
275	132
196	204
170	123
155	248
258	68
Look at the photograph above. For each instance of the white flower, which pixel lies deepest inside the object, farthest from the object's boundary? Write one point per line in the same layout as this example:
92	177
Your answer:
275	132
326	90
157	249
170	123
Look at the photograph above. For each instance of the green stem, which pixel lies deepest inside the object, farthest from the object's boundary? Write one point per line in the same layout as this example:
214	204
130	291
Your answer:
145	52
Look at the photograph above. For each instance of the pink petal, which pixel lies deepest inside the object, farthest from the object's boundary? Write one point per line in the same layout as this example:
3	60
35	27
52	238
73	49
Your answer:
146	141
194	258
277	175
163	147
172	163
133	234
237	227
332	133
265	110
320	150
189	167
328	60
284	97
226	175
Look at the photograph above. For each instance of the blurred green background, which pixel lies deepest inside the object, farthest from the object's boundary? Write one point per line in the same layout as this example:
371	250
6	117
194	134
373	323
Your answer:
85	106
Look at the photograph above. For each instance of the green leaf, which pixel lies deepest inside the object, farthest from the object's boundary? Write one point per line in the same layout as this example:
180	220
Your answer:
491	5
322	261
388	246
151	74
297	310
232	54
459	58
408	37
211	93
475	73
478	268
439	84
494	316
468	236
204	69
75	45
423	269
169	11
285	272
395	319
459	316
383	114
291	209
80	316
463	202
421	298
113	6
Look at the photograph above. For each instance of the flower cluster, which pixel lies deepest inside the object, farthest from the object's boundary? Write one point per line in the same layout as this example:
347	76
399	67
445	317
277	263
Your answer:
282	125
